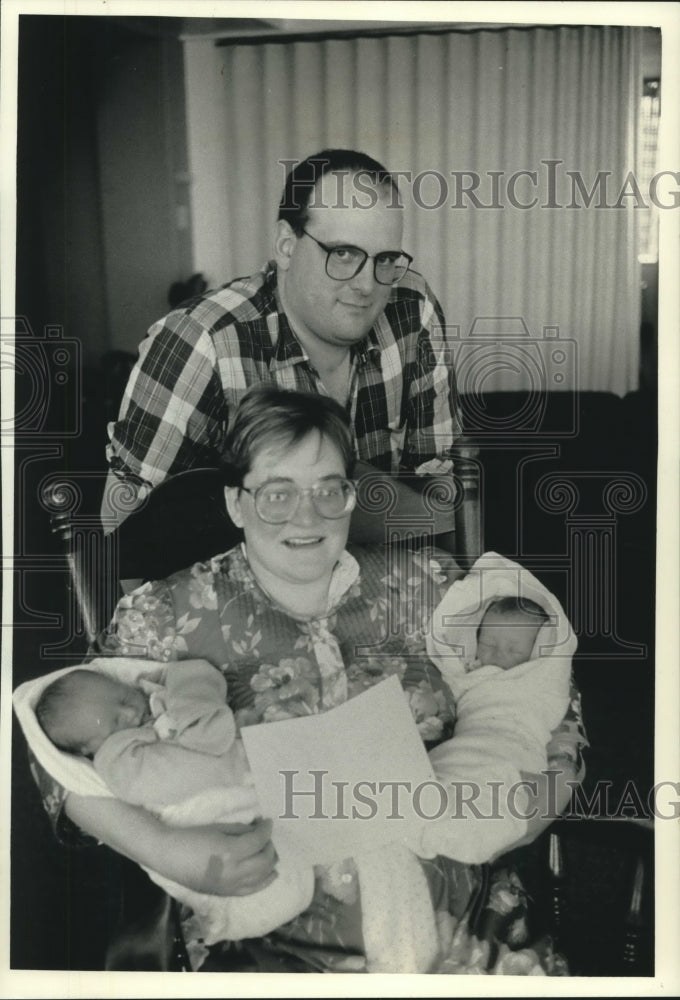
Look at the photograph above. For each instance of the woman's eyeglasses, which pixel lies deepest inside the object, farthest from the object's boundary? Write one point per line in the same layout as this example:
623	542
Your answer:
344	262
278	502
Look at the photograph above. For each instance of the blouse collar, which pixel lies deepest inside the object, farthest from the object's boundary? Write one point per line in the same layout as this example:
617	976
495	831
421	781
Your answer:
345	574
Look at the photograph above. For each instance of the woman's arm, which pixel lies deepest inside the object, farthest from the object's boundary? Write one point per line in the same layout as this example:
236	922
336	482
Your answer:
548	796
550	791
219	860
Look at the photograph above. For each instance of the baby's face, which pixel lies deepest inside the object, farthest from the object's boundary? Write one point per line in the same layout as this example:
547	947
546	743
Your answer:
100	707
505	639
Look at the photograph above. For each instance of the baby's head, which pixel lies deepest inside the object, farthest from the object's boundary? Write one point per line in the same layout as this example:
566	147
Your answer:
508	631
83	708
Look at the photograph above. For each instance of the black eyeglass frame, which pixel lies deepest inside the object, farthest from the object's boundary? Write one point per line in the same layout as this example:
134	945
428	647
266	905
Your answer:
328	250
350	503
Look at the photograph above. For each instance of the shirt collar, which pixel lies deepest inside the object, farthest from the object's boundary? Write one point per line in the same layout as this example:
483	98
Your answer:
288	350
345	575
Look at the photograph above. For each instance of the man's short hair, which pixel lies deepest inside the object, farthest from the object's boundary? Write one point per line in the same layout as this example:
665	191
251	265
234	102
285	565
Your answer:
303	178
268	416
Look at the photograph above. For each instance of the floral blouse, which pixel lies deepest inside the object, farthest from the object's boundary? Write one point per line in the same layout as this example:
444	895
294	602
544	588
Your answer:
279	667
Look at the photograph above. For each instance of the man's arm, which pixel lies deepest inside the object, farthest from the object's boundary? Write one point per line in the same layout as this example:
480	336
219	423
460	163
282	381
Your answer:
121	497
172	417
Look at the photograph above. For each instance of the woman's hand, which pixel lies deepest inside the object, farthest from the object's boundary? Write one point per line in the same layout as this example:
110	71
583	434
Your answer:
221	859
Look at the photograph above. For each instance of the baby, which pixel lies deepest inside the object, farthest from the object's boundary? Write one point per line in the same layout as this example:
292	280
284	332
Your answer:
154	744
504	646
507	633
170	745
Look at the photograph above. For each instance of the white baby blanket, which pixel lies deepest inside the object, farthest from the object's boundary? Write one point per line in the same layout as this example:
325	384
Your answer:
504	717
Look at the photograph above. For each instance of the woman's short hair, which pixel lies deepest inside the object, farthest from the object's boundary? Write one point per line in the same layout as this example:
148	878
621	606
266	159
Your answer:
302	180
271	417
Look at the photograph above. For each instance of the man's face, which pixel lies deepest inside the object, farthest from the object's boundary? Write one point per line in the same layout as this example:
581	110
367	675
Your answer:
321	310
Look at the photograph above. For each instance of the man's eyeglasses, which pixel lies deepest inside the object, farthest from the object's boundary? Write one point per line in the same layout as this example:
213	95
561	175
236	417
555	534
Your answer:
344	262
278	501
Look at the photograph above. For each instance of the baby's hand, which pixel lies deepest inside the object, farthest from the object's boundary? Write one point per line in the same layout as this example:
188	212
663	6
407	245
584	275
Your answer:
472	664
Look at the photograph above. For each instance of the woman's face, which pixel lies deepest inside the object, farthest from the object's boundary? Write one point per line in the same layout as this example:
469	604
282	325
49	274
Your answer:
305	549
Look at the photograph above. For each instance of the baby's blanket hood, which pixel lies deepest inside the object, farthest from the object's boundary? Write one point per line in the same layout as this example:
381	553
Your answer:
455	622
75	774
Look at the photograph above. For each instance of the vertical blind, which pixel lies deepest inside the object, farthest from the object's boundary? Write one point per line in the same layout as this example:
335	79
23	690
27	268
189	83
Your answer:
516	145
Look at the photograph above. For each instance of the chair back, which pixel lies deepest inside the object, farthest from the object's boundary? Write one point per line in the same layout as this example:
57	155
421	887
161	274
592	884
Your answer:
182	521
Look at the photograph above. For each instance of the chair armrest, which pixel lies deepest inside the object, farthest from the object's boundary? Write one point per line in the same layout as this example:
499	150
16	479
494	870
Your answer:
446	507
469	520
87	556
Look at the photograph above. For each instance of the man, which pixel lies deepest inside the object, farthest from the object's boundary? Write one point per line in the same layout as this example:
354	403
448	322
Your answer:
337	311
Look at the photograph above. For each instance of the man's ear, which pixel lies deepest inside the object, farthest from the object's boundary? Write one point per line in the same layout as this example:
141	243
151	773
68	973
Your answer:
232	498
284	244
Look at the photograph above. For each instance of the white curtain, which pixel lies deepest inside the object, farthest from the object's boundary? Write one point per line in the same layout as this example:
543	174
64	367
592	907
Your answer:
513	281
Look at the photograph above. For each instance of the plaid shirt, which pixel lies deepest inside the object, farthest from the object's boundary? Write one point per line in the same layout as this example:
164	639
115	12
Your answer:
198	361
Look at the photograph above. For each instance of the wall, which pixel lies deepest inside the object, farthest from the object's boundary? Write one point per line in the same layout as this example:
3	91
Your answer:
102	227
650	68
140	139
60	254
104	183
482	101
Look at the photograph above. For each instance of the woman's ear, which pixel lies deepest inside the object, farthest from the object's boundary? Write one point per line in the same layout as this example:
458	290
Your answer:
232	499
284	244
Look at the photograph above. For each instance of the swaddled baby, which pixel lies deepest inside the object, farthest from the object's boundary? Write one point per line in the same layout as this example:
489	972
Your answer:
504	646
133	734
171	747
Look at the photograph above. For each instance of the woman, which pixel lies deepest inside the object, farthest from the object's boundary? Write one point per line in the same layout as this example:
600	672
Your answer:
298	625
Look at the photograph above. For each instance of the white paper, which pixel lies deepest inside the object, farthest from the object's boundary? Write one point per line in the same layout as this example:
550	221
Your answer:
350	758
